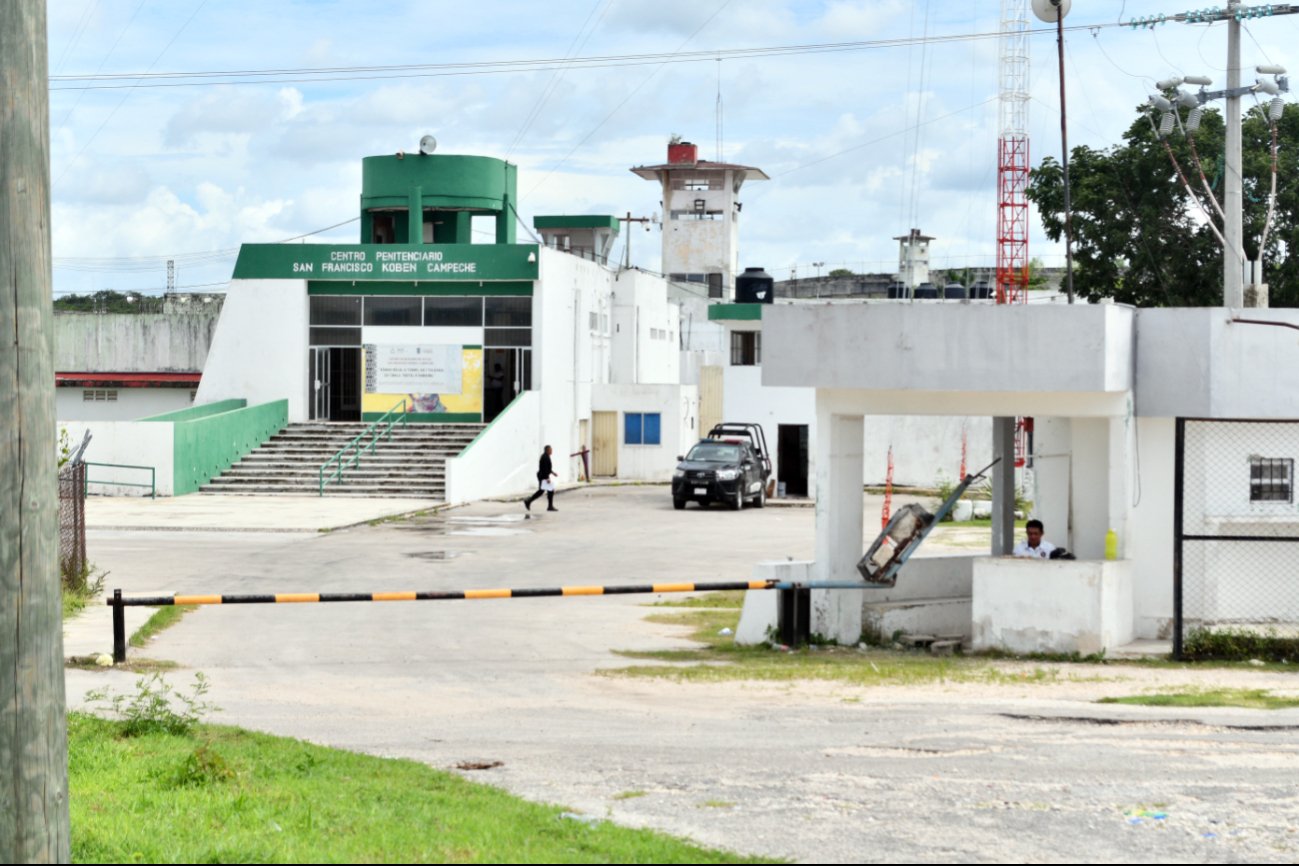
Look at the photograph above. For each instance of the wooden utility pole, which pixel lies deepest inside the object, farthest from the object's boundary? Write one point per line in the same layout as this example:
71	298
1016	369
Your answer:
33	727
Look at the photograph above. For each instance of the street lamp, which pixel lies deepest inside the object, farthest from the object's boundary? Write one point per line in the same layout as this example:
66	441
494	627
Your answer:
1054	11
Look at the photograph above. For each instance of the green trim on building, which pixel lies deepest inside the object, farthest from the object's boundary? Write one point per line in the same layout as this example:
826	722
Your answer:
735	312
202	411
587	221
515	289
445	181
432	417
405	262
203	448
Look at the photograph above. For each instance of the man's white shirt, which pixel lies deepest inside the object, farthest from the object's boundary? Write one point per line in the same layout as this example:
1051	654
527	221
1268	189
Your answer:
1042	551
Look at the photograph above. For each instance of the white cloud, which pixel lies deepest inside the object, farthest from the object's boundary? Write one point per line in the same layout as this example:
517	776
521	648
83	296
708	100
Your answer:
153	171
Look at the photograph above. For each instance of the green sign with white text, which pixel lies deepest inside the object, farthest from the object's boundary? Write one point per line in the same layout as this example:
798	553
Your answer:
386	262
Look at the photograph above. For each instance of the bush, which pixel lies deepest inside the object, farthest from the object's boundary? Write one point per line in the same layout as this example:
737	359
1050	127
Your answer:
150	710
1202	644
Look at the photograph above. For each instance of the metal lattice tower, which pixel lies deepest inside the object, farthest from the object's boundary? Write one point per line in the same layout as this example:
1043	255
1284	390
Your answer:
1012	155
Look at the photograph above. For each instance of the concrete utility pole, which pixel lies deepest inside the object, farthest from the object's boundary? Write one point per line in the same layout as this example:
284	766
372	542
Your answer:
1233	263
1233	286
628	220
33	726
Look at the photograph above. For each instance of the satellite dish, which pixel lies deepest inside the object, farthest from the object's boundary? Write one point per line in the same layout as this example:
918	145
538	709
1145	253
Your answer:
427	145
1051	11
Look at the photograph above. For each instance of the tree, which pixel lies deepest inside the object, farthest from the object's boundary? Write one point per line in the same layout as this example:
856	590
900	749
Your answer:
1141	239
842	272
1037	278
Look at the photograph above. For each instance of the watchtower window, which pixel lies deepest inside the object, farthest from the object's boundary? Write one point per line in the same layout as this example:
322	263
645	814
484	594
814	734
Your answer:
384	230
697	183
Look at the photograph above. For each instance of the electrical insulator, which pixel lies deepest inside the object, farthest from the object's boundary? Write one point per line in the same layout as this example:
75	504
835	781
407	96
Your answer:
1193	120
1166	125
1276	109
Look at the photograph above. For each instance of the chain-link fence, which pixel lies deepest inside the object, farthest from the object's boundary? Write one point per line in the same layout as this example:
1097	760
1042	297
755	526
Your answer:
72	523
1236	524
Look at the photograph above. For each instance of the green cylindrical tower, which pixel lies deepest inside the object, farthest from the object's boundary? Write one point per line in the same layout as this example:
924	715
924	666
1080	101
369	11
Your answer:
447	190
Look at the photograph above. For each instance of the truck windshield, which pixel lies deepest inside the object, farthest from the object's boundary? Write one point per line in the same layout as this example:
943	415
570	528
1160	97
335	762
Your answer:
713	452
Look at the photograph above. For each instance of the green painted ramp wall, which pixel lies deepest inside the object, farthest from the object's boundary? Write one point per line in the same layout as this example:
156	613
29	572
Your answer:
205	447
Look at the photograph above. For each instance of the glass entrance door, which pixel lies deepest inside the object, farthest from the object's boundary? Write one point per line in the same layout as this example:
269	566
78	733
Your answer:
509	373
319	384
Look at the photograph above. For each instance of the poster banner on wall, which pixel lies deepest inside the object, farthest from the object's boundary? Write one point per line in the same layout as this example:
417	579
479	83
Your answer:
413	369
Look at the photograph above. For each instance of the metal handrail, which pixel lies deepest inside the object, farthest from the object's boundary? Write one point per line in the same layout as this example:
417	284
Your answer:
153	477
372	430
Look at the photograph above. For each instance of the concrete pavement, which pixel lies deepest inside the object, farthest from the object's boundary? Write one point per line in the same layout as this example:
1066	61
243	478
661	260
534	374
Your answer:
816	772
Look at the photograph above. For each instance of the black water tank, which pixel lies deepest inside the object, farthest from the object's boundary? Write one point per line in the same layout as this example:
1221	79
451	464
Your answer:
982	290
954	292
926	292
755	286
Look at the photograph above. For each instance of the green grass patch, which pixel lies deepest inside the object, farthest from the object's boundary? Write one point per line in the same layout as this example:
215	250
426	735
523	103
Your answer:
225	795
721	660
162	619
731	598
1252	699
629	795
75	602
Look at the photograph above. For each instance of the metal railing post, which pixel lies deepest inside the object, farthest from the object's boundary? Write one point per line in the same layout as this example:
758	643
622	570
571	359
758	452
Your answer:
119	628
1179	495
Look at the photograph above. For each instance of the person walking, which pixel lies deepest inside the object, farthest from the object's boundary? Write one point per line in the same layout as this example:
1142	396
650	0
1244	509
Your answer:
545	482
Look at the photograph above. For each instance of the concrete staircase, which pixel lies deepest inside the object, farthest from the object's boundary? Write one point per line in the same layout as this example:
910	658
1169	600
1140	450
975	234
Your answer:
411	464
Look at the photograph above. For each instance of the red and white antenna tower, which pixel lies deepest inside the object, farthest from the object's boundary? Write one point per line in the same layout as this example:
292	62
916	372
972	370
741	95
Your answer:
1012	155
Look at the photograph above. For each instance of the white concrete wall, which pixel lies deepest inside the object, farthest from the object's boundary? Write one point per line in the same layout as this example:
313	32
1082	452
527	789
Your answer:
1149	542
133	342
839	515
1054	606
565	358
646	339
133	443
926	449
1197	363
955	359
926	578
259	351
745	400
502	461
679	407
131	403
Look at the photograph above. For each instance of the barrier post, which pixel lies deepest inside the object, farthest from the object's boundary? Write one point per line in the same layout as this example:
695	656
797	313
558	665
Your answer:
119	628
794	616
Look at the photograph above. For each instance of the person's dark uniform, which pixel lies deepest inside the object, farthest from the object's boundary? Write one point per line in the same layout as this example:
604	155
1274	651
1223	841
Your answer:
544	471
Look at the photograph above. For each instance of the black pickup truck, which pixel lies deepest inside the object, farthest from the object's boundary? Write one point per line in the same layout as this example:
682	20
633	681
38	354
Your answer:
730	466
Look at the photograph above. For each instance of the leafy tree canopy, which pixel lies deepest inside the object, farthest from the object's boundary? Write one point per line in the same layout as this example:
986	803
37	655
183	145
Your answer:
1142	239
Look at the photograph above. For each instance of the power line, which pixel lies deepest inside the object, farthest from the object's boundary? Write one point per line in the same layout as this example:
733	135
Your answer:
625	100
72	162
553	84
306	75
136	264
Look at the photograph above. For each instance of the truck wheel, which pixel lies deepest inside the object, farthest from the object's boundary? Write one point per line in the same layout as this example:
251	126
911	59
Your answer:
738	503
679	504
760	501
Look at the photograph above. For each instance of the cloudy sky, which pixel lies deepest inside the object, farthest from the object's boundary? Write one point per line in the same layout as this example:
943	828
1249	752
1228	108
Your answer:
860	144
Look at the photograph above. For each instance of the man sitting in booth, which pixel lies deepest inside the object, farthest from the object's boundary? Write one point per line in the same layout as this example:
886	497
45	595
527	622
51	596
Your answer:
1034	547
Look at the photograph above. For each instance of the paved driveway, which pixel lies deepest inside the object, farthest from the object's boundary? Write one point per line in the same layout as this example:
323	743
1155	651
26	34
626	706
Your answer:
813	772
